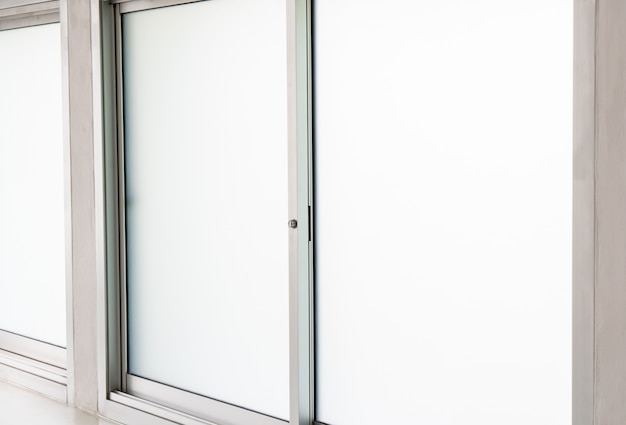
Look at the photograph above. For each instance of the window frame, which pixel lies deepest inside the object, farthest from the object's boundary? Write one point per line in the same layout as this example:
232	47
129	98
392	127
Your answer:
153	402
38	365
23	13
587	35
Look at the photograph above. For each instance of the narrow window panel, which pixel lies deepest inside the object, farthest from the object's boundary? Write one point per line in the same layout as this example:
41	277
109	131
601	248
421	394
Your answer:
32	231
206	200
443	192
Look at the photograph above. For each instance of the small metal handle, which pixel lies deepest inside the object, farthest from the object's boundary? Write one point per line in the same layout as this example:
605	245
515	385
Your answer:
293	223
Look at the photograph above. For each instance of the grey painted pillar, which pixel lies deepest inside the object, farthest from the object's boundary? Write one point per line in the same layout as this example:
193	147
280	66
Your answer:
610	288
76	39
599	212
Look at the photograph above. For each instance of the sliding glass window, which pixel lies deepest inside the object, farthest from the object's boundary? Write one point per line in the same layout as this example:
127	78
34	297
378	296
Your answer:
202	113
32	197
421	150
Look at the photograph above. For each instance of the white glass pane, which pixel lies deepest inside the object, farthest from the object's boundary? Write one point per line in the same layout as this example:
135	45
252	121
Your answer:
206	199
443	161
32	235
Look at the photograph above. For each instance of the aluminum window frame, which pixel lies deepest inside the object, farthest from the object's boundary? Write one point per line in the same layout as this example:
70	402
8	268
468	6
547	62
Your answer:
132	399
38	365
133	410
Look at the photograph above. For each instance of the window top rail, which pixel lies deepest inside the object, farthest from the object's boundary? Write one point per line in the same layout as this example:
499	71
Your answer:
24	15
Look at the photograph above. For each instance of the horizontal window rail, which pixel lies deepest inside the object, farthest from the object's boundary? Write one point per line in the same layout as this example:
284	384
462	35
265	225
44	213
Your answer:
195	406
33	349
21	15
127	6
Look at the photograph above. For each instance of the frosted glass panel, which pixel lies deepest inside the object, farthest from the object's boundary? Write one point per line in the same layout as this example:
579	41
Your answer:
206	199
32	235
444	152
